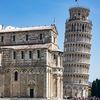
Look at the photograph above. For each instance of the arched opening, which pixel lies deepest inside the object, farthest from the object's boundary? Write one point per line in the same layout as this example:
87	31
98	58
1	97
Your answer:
31	92
31	89
68	92
75	91
72	27
41	36
83	28
16	76
55	87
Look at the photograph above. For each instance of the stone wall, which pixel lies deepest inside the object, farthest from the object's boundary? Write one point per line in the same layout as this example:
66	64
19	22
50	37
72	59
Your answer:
33	37
27	79
7	57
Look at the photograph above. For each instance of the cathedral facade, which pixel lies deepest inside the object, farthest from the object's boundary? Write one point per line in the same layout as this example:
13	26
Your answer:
30	63
77	46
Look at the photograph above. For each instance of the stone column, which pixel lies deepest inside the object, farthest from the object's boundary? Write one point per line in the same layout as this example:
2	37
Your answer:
46	80
3	86
47	84
58	87
0	59
61	91
11	85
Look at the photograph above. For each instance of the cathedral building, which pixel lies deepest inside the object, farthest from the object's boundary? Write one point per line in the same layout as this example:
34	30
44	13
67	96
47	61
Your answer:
77	46
30	63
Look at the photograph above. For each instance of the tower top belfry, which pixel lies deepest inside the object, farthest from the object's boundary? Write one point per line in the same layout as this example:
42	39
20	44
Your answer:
79	13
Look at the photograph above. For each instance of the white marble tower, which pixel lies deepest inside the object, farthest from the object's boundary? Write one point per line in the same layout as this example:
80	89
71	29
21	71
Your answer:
77	46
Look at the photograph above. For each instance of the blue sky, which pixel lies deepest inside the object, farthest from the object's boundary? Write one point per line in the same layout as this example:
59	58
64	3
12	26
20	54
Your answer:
25	13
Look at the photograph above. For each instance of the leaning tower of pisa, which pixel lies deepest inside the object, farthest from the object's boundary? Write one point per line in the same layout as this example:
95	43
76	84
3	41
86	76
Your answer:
77	46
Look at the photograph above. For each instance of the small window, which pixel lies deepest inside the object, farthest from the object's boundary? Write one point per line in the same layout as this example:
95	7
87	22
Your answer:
54	56
41	36
14	55
22	54
2	38
79	14
38	53
27	37
30	54
54	39
16	76
13	37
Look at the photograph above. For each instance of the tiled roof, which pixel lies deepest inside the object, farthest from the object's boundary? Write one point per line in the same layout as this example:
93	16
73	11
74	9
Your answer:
16	29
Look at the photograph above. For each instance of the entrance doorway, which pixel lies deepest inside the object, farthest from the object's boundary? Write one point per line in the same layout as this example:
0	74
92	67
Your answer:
31	93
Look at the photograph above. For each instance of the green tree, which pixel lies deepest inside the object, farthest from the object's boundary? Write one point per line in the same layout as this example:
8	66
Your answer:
98	88
93	90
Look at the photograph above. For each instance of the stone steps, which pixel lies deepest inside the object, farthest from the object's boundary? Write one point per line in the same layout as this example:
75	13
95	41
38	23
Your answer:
22	99
27	99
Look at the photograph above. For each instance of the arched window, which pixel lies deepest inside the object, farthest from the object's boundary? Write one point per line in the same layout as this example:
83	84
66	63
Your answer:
38	54
83	28
16	76
13	38
27	37
72	27
14	55
2	38
75	27
41	36
22	55
30	54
